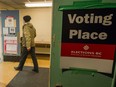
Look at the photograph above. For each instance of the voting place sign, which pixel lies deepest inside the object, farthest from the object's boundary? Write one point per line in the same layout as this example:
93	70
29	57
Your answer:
88	39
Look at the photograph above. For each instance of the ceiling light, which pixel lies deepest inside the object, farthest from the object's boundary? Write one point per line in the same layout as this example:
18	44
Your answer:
39	4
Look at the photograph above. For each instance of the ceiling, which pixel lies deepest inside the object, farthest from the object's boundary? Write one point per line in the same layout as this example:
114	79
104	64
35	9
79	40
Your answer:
18	4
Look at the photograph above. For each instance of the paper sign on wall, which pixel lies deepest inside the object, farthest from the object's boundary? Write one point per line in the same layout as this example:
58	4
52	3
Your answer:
10	45
10	21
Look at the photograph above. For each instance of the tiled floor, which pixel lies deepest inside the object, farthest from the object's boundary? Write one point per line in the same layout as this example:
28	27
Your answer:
7	71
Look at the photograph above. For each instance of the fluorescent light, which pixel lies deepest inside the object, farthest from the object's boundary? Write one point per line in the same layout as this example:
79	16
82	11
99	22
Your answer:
40	4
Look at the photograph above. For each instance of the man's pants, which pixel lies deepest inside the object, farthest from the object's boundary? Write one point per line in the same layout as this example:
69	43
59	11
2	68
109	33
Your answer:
24	55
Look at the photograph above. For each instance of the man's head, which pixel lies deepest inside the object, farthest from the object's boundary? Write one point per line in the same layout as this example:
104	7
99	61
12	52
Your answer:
27	18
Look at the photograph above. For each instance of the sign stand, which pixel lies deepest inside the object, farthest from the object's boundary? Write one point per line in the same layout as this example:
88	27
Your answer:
72	39
73	73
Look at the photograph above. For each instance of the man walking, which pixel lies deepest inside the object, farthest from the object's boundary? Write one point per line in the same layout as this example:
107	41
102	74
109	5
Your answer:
28	44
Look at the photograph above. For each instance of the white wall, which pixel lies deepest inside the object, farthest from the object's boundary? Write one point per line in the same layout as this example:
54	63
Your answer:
41	19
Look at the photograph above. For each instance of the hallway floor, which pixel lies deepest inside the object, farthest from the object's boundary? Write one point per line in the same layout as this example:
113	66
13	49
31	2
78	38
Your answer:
7	71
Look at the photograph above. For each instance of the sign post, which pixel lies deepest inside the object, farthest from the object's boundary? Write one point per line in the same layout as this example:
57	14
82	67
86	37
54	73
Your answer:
83	43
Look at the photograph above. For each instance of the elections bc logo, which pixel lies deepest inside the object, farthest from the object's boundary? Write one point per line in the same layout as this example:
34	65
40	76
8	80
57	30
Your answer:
86	47
86	52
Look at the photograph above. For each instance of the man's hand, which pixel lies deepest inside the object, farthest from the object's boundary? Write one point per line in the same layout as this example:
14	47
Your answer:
28	48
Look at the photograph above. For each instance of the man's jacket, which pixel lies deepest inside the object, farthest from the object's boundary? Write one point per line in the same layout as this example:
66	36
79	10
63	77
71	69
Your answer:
29	33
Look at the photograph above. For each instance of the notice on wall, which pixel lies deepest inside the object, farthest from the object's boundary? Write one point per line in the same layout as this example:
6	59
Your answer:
88	39
10	21
12	30
10	45
5	30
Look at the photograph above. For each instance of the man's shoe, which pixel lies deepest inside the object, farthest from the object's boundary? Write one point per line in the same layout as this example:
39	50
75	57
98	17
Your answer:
37	71
17	68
